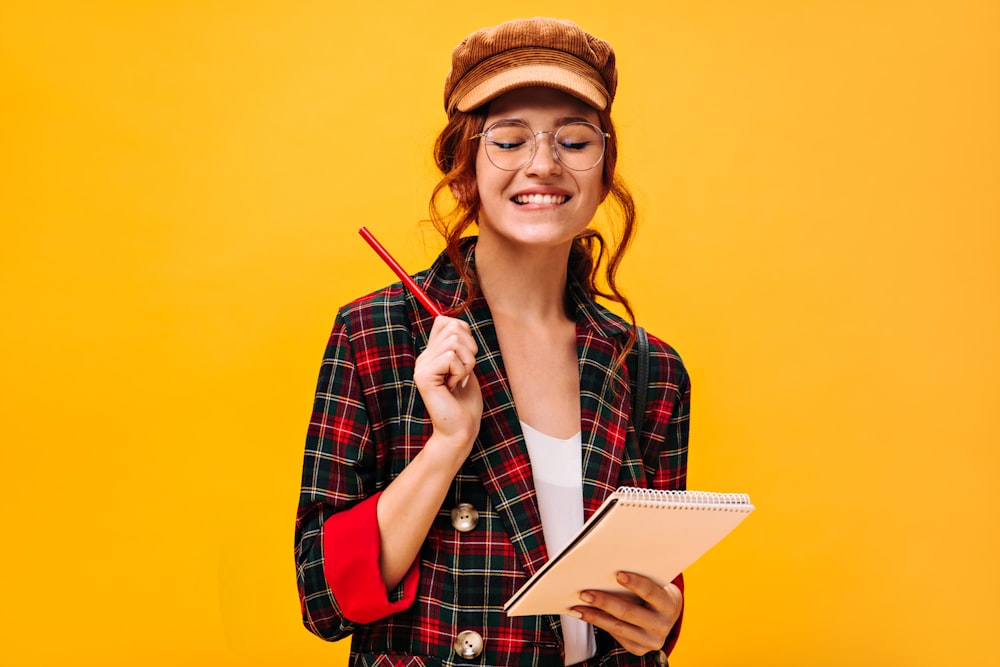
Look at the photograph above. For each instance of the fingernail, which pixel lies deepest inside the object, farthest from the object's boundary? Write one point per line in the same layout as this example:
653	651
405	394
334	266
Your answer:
574	613
465	381
587	597
622	578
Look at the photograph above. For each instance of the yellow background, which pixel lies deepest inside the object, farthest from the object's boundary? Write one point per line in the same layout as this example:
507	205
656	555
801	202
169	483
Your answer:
182	183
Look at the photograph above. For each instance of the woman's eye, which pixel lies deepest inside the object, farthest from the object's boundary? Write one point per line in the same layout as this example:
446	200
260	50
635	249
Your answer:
574	145
507	145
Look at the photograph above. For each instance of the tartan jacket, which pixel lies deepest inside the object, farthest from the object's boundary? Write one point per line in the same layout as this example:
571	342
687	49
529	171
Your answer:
368	422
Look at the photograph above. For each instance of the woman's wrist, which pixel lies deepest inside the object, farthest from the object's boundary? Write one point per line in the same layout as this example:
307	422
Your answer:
447	452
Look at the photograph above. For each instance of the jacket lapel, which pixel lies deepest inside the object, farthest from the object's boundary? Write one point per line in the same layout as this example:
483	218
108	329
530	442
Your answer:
500	455
610	457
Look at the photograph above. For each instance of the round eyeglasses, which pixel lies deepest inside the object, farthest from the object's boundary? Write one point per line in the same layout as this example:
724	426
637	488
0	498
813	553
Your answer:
511	145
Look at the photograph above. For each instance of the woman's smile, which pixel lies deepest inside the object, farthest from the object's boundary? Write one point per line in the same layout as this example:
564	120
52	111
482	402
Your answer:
540	198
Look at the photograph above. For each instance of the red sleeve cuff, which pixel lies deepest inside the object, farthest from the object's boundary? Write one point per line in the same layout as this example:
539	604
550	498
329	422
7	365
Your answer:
351	548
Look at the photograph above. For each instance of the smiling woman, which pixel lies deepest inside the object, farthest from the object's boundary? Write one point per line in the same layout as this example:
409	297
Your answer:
424	504
818	235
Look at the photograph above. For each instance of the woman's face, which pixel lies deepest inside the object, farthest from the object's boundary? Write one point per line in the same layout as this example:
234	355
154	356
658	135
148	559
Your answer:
542	204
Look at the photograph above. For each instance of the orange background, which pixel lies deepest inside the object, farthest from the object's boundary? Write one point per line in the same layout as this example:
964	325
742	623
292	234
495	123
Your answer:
182	183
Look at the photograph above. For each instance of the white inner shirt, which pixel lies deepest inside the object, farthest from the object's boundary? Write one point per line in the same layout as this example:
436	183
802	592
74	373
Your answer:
557	468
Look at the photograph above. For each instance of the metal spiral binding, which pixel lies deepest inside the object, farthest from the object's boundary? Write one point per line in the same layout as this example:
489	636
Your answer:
695	500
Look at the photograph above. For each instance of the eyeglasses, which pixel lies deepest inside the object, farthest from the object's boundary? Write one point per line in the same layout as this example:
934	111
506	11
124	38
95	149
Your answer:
511	145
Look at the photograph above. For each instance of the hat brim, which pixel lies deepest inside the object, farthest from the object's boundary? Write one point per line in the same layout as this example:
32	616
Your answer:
529	67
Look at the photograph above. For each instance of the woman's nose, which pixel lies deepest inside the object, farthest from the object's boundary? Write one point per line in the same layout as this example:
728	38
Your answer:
544	161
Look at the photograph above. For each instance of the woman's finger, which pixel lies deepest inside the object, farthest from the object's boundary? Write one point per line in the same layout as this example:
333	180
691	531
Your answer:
458	370
640	625
453	350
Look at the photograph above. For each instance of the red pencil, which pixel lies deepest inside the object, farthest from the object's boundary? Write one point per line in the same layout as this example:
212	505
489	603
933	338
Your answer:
403	275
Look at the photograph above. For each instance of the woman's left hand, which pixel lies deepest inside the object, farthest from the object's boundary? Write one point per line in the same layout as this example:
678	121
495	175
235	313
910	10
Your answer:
639	626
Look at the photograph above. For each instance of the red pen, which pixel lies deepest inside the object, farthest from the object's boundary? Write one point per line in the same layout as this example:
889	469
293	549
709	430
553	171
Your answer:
403	275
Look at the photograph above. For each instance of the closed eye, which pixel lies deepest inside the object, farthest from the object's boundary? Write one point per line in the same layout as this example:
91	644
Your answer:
574	146
507	145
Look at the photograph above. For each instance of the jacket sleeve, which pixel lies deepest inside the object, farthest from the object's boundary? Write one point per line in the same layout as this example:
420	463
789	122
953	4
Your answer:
337	542
665	434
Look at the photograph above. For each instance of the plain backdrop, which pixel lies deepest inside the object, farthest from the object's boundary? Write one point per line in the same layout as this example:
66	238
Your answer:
820	234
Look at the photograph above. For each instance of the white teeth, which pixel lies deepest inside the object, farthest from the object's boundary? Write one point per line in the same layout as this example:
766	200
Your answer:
541	199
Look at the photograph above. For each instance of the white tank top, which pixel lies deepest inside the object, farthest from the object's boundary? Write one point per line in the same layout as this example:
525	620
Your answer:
557	468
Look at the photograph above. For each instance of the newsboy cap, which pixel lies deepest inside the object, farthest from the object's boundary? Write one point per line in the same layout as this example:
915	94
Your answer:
530	52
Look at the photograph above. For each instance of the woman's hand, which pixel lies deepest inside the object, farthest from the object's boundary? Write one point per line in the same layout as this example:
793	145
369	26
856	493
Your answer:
639	626
444	375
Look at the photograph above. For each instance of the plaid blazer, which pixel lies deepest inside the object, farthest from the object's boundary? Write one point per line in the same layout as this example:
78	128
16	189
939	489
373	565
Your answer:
368	422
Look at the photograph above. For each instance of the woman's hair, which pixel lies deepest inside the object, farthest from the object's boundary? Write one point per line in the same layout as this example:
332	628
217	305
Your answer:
455	155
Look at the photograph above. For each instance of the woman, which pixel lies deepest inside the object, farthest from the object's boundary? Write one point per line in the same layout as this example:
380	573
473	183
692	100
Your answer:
448	457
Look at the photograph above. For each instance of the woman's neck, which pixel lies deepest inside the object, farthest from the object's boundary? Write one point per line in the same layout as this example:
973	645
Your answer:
526	283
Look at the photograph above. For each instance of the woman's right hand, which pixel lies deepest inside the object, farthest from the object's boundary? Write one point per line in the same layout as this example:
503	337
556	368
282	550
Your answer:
445	377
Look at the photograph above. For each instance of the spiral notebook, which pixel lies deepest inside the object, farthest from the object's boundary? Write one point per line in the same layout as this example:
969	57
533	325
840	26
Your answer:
650	532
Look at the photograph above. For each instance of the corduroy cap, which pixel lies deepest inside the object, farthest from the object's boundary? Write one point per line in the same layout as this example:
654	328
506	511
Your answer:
530	52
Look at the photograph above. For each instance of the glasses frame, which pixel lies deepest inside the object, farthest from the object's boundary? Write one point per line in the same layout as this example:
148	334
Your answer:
534	143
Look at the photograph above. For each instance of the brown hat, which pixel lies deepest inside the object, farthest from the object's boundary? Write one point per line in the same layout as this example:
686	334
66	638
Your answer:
530	52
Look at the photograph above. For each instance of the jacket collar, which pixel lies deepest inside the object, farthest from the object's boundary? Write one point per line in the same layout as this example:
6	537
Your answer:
500	456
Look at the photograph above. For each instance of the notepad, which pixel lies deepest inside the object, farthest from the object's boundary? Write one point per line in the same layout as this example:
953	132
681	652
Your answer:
650	532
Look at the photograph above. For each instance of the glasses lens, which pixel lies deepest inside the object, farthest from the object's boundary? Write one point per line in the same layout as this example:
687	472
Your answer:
580	146
509	145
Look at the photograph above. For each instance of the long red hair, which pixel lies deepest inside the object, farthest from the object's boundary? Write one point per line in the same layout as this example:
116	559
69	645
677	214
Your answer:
454	207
